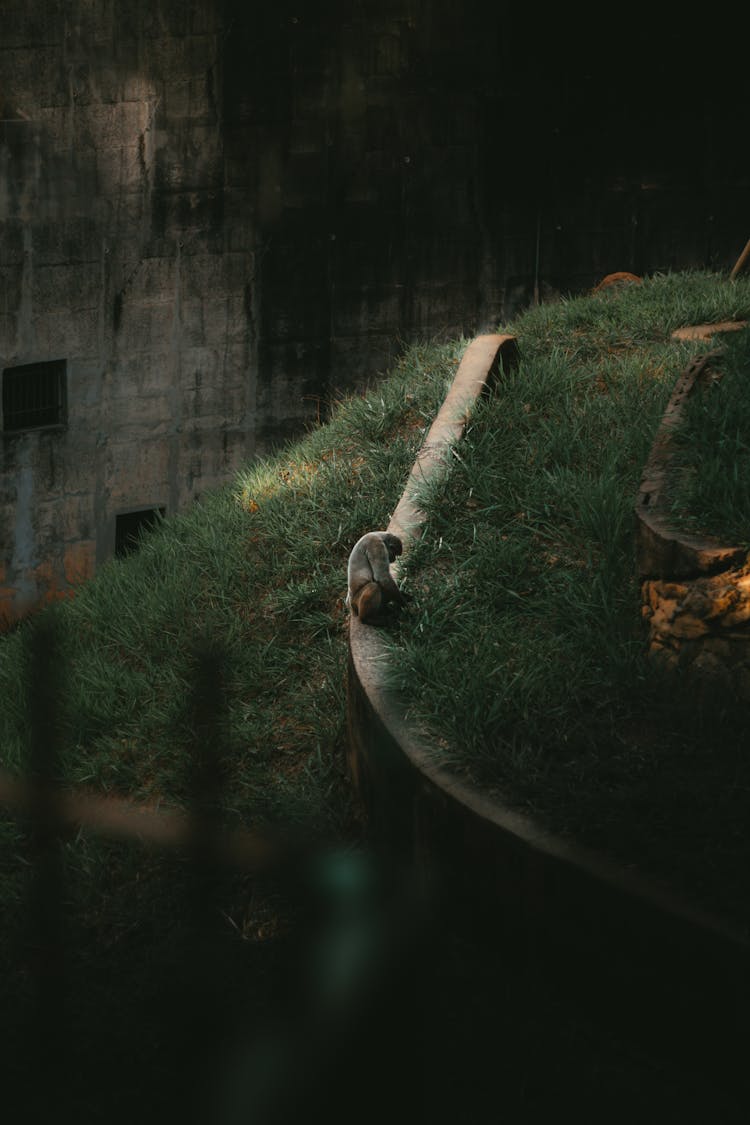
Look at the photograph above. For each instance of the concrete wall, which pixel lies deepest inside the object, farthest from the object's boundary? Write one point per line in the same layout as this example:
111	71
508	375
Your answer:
223	213
115	258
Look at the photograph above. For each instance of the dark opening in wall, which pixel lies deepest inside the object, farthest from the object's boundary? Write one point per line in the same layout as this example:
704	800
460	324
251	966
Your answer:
34	395
131	525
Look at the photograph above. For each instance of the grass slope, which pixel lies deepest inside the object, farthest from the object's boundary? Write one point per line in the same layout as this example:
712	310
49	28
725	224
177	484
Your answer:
256	571
256	575
259	568
523	651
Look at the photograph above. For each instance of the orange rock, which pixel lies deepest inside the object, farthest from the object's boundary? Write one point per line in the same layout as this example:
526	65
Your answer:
686	627
738	616
676	590
664	614
700	602
622	277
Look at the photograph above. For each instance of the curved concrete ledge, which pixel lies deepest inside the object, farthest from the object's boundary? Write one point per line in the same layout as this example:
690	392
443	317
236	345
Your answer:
478	372
695	591
529	882
661	549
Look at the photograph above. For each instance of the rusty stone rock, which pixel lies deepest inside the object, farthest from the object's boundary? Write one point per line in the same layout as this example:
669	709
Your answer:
664	614
685	626
701	601
742	583
738	616
672	590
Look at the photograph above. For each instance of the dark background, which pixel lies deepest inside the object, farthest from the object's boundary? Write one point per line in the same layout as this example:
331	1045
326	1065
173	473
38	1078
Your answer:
350	175
440	164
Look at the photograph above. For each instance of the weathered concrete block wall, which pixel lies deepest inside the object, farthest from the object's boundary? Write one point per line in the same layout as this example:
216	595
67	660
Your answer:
116	259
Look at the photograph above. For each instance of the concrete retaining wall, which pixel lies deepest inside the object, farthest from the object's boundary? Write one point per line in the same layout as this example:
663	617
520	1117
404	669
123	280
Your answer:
596	919
695	590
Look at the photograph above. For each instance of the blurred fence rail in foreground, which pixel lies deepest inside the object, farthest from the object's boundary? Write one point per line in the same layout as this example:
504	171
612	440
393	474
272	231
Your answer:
351	938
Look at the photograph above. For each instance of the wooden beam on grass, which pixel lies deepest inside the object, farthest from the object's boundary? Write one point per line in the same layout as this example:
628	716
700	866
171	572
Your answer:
740	261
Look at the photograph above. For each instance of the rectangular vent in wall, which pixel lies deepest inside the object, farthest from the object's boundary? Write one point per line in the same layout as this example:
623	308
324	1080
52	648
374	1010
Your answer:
130	526
34	396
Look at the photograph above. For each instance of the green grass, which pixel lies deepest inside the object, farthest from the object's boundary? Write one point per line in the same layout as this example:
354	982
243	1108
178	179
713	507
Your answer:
260	569
257	570
713	492
524	580
523	651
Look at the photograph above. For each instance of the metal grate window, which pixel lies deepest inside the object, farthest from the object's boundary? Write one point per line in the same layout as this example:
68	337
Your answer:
34	395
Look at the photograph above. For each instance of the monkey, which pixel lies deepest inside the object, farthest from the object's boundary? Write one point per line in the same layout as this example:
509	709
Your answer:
371	584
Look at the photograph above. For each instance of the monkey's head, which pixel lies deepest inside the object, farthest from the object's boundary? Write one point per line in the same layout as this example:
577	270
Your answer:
393	545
